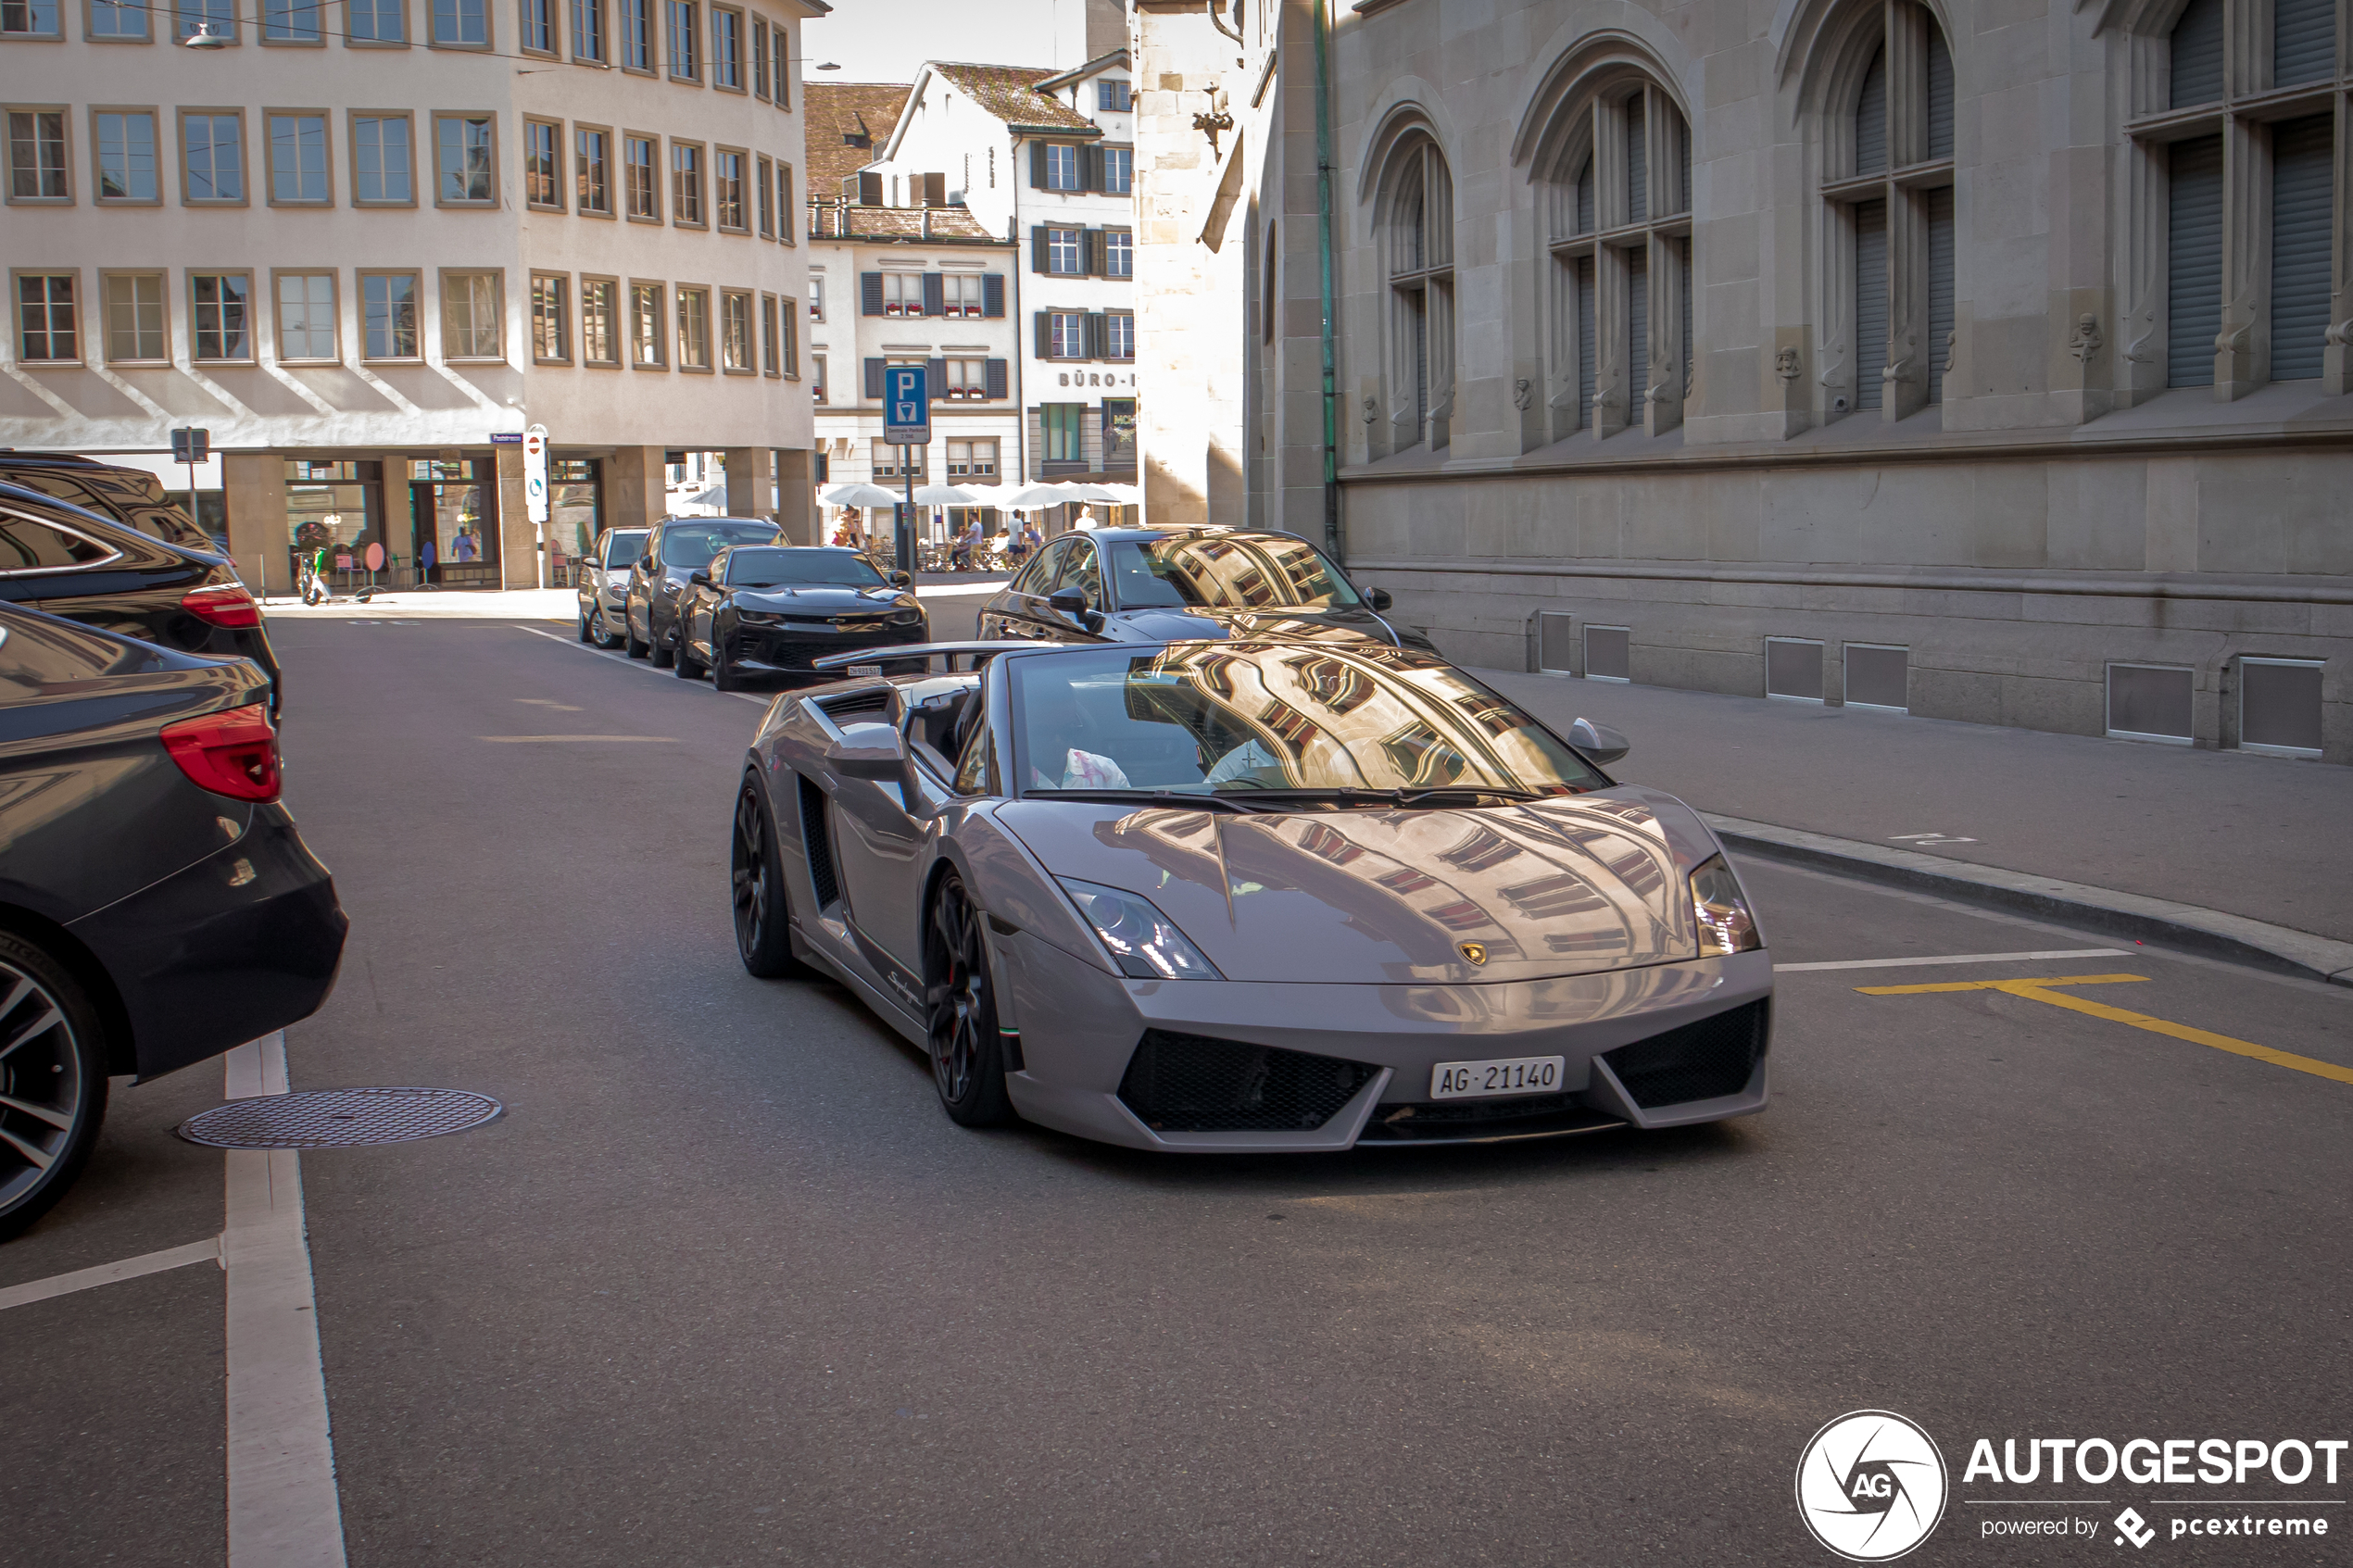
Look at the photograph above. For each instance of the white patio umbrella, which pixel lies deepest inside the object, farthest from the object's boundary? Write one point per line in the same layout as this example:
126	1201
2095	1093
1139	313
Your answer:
1122	494
945	495
1034	497
1080	491
861	495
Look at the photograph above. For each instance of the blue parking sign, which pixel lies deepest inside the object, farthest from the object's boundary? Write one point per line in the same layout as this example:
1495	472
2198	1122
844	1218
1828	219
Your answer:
906	407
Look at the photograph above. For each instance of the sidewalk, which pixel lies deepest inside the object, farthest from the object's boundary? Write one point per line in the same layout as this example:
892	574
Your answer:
533	604
2254	836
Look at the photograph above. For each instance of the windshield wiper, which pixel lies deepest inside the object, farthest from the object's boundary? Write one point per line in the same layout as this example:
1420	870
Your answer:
1156	796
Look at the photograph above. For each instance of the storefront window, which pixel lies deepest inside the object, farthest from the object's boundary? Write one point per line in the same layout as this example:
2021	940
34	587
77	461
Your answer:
337	507
455	526
576	512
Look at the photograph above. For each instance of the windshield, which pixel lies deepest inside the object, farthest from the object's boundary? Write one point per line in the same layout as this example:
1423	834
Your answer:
693	544
777	568
622	550
1206	718
1226	573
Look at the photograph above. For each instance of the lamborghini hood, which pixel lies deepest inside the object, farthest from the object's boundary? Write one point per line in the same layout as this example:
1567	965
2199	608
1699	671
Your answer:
1571	886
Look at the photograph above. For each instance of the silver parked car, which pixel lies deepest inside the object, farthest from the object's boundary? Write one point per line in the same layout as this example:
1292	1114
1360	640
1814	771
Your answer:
602	581
1251	895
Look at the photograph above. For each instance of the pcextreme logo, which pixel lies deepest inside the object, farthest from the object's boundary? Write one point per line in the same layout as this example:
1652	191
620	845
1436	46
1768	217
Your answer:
1871	1486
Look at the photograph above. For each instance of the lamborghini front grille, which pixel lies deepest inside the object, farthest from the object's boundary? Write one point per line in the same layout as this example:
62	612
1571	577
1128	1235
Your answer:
1711	1058
1193	1084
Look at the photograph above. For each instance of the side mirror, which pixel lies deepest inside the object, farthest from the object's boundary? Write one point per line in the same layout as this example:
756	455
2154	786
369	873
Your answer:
1067	601
902	578
882	764
1598	741
1379	599
646	563
700	579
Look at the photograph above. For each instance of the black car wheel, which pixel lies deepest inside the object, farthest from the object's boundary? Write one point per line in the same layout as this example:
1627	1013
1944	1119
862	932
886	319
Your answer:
629	635
690	668
53	1082
585	636
967	1060
763	915
600	632
656	649
722	669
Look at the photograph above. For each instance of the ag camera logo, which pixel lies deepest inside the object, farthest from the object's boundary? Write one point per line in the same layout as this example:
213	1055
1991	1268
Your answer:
1871	1486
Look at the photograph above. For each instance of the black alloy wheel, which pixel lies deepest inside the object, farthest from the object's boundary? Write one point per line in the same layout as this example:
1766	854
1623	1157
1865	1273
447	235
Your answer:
763	914
53	1082
629	633
723	669
967	1059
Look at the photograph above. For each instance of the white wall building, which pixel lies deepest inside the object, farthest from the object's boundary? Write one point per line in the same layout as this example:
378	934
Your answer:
356	243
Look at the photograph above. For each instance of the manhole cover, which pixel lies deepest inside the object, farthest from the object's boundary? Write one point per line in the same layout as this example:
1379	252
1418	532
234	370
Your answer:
339	1118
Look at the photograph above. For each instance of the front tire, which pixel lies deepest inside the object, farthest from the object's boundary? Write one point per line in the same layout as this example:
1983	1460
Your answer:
585	636
600	633
629	633
967	1059
764	913
53	1082
662	658
688	668
722	671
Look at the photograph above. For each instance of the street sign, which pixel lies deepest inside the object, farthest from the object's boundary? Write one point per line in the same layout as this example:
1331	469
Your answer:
505	438
191	444
906	407
534	473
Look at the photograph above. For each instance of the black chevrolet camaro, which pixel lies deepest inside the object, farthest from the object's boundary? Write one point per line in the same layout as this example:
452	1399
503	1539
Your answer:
764	610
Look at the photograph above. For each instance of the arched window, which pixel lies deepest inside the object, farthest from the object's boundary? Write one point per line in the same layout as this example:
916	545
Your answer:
2241	142
1889	184
1416	223
1619	235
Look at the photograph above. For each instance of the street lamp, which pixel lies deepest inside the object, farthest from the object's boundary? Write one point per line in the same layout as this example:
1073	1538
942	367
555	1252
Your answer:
205	38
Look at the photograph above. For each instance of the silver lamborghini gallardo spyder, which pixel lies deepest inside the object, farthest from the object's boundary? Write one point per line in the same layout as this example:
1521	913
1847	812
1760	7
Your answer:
1250	896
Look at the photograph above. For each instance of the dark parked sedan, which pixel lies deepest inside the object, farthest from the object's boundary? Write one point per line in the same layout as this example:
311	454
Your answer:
157	904
767	609
72	562
674	550
1161	584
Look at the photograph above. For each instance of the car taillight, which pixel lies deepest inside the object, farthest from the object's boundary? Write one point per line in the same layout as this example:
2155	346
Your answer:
228	605
233	752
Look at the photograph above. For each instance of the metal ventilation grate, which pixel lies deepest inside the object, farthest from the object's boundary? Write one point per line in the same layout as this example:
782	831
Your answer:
339	1118
1194	1084
1707	1060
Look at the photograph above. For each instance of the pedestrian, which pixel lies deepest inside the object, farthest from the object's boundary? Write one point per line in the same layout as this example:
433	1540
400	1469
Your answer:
1029	538
1086	523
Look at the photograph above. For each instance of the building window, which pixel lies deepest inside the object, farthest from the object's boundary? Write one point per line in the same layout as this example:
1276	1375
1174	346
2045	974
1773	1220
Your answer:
759	58
644	189
1056	167
597	309
306	317
463	148
212	153
964	294
388	315
972	459
636	36
379	160
31	19
375	22
471	312
461	24
126	149
727	49
298	159
686	184
646	338
727	189
290	21
685	63
1119	335
134	318
113	20
1060	251
538	24
1112	94
588	31
785	203
784	66
1416	226
1119	432
1119	254
543	185
791	344
967	381
897	462
760	172
46	320
902	293
1119	170
37	169
817	383
219	304
817	299
1064	432
694	329
216	18
1619	215
1062	334
770	363
550	319
734	332
592	183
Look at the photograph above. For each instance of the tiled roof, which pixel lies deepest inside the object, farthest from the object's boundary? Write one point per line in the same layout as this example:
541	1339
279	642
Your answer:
834	110
900	223
1008	92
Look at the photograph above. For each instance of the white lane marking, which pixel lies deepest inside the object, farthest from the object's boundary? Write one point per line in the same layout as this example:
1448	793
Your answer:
627	662
283	1511
1958	958
106	1274
667	740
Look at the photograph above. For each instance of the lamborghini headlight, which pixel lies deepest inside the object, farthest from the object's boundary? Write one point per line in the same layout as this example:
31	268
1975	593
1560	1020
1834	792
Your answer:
1143	942
1720	912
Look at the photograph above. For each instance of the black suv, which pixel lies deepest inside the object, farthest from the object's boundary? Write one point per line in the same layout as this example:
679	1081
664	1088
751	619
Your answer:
675	549
127	496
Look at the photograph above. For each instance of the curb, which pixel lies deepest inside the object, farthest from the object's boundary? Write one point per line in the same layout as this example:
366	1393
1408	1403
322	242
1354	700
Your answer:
2212	932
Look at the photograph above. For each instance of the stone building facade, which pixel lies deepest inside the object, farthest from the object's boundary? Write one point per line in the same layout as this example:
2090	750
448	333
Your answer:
1987	362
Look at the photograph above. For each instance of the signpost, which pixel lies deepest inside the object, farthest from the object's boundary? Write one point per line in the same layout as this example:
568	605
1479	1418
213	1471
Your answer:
906	423
534	490
191	444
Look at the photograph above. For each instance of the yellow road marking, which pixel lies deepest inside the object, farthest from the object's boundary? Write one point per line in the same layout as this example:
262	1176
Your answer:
2038	990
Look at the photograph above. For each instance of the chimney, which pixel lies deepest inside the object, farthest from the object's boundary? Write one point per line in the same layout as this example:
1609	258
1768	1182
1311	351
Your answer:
926	221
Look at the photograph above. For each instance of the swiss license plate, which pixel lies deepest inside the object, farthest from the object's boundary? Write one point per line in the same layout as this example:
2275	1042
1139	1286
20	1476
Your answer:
1505	1076
865	670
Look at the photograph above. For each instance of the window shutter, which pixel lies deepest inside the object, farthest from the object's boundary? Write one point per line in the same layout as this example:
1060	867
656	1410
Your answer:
992	295
1043	325
1871	301
935	379
2303	42
2194	246
874	379
997	381
1037	165
1638	333
1095	253
2302	155
1940	95
935	293
1039	241
1870	117
870	299
1090	167
2197	56
1093	339
870	189
1584	342
1940	286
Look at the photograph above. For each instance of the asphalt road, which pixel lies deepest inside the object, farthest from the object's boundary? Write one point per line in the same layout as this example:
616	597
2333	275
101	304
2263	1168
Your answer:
724	1286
